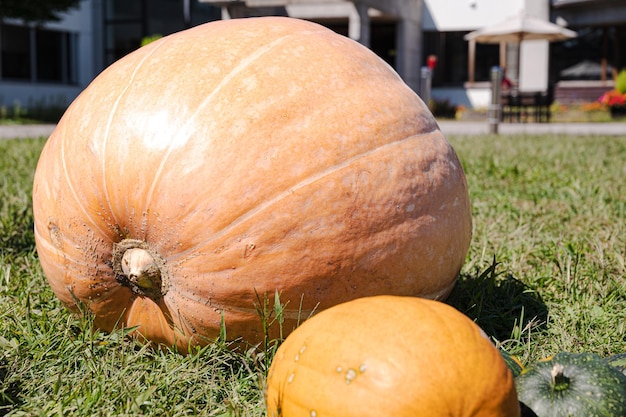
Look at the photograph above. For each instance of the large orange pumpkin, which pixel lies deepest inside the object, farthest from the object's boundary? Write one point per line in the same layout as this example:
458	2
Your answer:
390	356
237	159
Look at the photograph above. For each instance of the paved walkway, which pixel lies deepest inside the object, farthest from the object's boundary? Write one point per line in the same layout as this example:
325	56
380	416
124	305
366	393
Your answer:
25	131
447	127
482	128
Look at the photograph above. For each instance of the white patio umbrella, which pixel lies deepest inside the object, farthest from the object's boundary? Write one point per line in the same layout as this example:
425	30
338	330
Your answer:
518	28
586	70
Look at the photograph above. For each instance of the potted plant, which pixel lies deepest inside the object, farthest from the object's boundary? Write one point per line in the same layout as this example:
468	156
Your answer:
615	99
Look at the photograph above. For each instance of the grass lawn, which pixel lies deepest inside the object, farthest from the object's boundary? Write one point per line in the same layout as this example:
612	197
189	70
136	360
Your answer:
546	272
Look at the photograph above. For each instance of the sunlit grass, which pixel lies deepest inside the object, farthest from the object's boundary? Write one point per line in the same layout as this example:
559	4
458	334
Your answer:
545	272
552	211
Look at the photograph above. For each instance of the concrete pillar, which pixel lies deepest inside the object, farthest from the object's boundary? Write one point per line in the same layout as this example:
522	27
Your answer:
360	28
534	55
408	14
234	11
97	45
409	47
409	36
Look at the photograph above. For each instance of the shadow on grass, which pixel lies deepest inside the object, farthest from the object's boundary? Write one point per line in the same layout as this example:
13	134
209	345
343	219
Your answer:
503	306
9	392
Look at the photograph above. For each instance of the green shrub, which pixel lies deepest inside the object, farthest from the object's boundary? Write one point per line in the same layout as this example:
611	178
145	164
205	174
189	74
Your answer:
41	110
148	39
443	109
620	82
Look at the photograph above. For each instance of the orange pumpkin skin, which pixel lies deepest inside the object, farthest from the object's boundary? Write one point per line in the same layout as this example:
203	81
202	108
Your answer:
390	356
246	157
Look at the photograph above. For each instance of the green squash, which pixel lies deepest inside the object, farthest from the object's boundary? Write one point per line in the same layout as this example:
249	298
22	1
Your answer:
572	385
514	364
618	361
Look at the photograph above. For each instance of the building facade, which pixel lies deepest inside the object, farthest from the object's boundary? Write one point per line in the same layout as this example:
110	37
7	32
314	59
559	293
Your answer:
46	64
50	64
53	62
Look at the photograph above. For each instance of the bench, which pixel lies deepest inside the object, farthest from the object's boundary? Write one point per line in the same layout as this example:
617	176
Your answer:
524	106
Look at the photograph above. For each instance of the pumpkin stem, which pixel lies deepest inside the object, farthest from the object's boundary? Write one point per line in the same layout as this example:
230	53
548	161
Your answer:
558	380
139	268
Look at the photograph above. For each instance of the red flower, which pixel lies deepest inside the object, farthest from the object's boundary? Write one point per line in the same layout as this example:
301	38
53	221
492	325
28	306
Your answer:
613	98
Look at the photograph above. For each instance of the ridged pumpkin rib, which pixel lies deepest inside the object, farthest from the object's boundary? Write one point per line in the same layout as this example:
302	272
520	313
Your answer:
276	199
111	118
217	266
68	180
265	154
48	250
243	64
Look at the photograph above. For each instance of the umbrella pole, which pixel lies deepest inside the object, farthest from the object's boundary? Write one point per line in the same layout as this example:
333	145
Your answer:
519	59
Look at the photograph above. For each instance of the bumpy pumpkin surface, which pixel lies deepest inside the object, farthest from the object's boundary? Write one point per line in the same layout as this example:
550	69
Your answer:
513	362
617	361
390	356
571	385
240	158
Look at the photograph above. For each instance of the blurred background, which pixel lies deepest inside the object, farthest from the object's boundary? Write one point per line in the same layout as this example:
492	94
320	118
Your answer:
51	50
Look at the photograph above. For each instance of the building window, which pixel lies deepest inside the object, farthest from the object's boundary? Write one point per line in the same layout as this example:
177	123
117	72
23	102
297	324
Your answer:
487	57
127	22
37	55
125	25
451	51
54	54
16	52
584	57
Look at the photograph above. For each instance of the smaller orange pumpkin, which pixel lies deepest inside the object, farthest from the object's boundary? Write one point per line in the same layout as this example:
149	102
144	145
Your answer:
390	356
